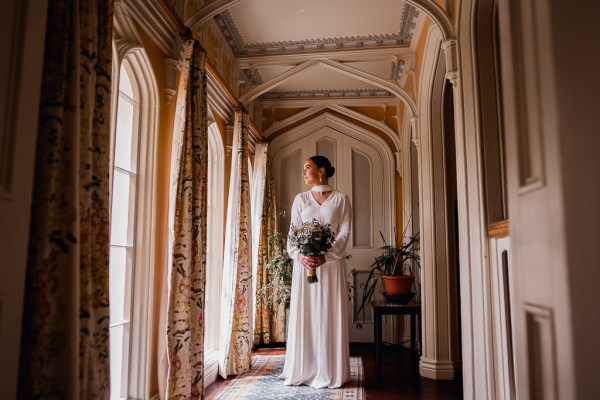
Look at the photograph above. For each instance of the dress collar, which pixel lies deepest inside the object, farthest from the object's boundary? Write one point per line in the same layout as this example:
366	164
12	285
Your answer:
322	188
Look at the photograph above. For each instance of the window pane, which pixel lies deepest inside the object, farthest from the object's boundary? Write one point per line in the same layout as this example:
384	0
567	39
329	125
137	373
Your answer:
125	82
289	187
120	283
121	229
116	361
119	358
214	251
124	144
361	200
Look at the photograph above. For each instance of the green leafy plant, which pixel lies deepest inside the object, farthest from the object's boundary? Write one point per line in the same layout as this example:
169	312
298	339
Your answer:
278	288
394	260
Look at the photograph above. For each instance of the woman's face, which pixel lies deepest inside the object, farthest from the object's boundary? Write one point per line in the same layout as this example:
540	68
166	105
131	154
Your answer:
310	173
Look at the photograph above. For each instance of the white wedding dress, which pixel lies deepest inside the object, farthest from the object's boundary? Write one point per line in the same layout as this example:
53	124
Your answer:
317	343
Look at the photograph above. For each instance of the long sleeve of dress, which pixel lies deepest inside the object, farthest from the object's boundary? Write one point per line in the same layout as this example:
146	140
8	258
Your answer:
338	250
295	220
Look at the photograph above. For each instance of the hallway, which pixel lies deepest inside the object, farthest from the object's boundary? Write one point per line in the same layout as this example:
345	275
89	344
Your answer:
146	147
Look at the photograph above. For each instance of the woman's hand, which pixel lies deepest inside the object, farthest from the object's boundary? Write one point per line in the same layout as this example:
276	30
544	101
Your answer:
312	261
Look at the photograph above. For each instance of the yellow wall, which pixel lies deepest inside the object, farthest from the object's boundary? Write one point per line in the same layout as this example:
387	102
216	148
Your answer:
420	56
165	131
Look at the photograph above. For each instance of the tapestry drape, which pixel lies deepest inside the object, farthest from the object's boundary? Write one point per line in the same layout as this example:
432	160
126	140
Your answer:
187	231
269	319
236	302
257	193
65	346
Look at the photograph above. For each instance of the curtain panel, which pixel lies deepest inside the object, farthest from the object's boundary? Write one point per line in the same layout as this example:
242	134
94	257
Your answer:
257	193
236	302
269	320
187	231
65	345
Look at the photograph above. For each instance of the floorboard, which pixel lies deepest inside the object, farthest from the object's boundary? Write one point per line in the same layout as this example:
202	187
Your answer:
400	375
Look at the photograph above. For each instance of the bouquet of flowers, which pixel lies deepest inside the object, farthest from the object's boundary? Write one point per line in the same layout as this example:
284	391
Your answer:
312	238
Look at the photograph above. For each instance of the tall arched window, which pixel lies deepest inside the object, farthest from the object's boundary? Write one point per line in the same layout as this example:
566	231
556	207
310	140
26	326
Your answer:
214	252
133	161
122	232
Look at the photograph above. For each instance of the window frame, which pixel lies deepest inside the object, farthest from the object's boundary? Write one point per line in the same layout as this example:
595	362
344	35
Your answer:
137	64
215	210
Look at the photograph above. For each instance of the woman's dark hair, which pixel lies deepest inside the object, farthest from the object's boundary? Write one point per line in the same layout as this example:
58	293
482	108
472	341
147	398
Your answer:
323	162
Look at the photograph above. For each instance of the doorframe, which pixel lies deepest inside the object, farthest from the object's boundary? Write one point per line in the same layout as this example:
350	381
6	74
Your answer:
440	356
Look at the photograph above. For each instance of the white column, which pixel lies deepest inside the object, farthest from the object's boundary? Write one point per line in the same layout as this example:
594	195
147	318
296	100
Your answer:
440	358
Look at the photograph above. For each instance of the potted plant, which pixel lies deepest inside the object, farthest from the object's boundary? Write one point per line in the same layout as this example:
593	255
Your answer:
394	267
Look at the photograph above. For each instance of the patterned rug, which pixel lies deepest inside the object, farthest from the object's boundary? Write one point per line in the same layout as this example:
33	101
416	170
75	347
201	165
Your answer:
261	383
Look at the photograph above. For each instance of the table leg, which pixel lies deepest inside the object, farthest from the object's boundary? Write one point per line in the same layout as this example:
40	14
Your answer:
377	327
412	331
420	334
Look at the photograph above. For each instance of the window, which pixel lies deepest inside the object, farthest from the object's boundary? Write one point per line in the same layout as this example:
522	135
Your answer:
131	271
214	253
122	232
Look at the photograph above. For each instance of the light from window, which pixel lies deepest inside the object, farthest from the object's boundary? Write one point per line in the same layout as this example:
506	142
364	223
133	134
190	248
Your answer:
214	253
122	232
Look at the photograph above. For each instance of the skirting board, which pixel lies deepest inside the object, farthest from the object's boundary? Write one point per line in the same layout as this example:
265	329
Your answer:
446	370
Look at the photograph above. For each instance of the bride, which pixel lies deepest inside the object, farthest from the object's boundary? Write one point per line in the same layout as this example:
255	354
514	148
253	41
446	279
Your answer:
317	347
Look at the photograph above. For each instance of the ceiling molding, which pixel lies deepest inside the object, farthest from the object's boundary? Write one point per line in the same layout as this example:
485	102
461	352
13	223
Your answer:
326	93
278	80
437	14
346	102
353	55
374	80
236	42
396	69
208	11
338	67
253	76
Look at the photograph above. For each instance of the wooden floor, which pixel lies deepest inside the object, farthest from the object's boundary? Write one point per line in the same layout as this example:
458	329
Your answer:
400	380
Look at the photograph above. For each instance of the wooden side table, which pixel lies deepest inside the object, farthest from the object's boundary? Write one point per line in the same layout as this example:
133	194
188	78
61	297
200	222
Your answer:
384	307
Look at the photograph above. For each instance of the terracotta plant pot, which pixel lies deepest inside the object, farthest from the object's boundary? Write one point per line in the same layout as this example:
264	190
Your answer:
398	285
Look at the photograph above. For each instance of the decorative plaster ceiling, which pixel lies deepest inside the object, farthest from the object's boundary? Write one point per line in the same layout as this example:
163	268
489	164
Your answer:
269	37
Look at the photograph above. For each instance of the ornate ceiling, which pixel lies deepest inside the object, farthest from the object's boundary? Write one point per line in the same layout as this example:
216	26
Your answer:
274	41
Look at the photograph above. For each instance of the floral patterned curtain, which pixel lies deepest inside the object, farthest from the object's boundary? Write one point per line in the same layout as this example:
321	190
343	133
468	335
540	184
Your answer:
269	320
236	303
65	346
187	232
257	194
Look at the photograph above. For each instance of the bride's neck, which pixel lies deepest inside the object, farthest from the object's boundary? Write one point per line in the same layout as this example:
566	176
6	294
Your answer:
322	188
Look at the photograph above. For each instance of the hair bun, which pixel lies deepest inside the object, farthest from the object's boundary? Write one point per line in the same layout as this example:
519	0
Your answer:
323	162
